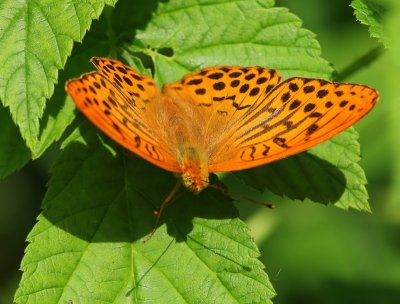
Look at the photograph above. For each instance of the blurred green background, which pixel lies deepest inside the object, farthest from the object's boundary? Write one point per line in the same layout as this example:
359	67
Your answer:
312	253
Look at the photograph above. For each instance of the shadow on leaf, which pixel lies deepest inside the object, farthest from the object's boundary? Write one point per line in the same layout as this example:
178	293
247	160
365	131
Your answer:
300	177
100	196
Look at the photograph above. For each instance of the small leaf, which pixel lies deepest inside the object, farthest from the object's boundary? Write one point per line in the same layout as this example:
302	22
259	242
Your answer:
371	13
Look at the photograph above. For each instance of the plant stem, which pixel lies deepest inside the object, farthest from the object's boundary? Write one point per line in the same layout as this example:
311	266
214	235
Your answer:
360	63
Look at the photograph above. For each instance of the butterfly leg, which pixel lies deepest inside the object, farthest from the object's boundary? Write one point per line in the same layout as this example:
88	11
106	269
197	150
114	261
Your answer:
237	196
167	201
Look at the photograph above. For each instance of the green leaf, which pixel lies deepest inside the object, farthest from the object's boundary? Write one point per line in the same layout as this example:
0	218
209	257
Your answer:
36	38
88	244
60	109
13	152
343	151
393	114
229	33
329	173
263	40
371	13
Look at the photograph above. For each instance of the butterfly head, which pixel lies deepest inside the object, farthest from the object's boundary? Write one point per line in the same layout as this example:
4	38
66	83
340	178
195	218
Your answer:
194	169
195	183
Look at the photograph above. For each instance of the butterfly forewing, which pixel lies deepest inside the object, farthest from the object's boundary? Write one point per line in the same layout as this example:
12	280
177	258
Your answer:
295	116
121	116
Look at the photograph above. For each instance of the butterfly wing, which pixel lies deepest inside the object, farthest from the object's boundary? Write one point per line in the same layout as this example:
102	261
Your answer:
253	120
295	116
115	100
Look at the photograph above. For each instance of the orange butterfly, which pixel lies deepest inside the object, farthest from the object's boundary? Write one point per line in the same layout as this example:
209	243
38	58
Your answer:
222	118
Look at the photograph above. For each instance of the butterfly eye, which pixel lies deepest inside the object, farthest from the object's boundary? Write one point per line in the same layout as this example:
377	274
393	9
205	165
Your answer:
188	181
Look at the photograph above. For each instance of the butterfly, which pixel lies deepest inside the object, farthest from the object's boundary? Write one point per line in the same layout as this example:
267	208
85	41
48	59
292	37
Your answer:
216	119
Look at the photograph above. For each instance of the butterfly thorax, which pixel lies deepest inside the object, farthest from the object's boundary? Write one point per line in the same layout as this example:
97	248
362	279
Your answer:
194	169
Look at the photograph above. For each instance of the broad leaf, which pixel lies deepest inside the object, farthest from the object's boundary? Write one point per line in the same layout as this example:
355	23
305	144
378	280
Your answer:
36	38
339	181
88	244
255	33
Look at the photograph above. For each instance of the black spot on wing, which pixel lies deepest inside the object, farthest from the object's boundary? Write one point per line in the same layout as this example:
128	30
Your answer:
254	91
309	107
311	129
121	70
244	88
250	76
128	81
269	88
280	141
285	97
322	93
293	87
235	74
266	150
219	86
216	75
195	81
235	83
308	89
201	91
262	80
294	104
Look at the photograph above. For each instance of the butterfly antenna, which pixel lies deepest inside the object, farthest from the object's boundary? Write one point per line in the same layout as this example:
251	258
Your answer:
167	201
237	196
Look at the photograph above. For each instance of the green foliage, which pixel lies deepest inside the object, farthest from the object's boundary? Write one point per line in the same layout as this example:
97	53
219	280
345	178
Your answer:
393	24
229	33
371	13
35	42
13	152
87	246
329	174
